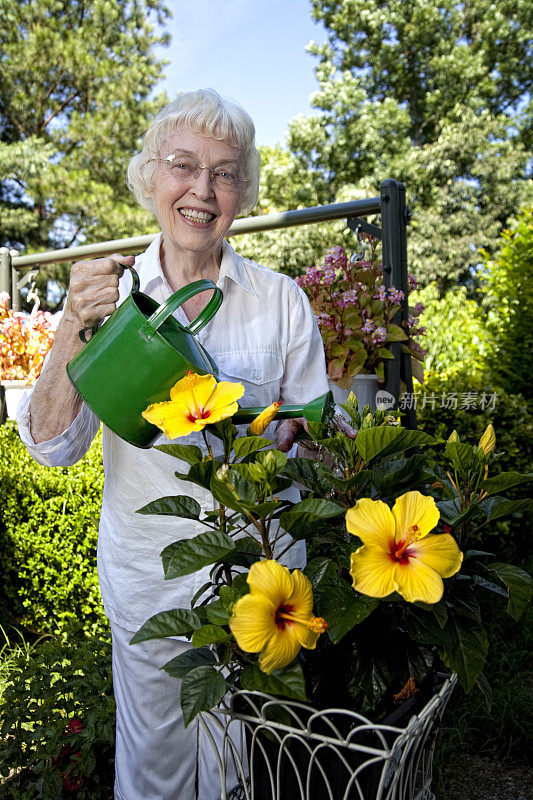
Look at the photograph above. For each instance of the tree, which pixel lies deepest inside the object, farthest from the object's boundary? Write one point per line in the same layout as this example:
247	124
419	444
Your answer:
75	78
430	93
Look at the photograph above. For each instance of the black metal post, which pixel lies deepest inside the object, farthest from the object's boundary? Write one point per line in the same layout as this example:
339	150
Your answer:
394	216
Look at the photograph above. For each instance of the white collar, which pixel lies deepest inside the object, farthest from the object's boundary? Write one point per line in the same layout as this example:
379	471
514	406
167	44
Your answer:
232	267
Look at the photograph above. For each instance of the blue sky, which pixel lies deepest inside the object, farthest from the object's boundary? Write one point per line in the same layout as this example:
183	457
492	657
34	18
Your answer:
251	50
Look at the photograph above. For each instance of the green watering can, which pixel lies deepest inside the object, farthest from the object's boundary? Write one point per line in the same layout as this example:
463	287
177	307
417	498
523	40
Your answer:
140	352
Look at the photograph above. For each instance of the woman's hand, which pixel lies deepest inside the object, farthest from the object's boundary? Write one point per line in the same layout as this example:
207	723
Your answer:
288	430
93	289
92	296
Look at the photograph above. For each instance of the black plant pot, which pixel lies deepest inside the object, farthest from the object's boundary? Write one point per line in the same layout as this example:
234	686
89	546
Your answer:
296	752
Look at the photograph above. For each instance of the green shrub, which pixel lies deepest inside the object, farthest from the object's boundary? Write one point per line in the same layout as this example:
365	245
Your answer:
456	338
58	720
507	301
512	419
48	533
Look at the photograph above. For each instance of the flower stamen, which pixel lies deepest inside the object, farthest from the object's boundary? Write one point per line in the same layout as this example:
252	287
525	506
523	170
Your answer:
315	624
413	533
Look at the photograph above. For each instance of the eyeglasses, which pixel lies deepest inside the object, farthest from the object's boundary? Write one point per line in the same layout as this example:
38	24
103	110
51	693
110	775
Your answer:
187	169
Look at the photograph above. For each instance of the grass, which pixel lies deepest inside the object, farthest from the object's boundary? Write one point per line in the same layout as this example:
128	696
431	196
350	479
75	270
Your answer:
11	650
502	734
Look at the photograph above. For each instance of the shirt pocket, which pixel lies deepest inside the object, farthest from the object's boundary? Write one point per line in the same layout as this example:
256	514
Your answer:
259	371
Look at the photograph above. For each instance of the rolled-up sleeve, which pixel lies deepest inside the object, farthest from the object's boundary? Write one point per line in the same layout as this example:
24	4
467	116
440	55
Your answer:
65	449
305	374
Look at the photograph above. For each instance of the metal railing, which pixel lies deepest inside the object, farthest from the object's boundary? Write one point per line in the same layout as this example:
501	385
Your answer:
390	205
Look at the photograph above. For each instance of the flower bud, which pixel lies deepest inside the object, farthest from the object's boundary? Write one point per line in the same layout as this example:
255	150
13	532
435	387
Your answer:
222	472
487	442
351	400
261	423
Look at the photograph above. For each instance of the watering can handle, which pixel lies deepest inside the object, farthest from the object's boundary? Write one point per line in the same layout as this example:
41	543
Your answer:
135	288
177	299
170	305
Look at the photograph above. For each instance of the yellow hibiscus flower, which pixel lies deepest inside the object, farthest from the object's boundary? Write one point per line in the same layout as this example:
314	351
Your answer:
397	553
276	618
195	401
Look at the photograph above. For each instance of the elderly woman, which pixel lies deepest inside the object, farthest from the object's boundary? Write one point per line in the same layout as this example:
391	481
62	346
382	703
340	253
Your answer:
197	170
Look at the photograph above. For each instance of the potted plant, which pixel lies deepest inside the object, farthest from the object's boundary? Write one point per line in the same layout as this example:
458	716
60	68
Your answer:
24	341
355	314
387	601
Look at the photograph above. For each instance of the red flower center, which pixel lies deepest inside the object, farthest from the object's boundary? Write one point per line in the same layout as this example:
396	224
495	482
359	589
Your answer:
280	617
202	414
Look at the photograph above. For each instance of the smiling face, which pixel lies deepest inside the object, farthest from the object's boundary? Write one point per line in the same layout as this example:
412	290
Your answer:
195	215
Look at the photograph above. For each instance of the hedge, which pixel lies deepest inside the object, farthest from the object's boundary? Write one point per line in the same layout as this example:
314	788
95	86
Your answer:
48	533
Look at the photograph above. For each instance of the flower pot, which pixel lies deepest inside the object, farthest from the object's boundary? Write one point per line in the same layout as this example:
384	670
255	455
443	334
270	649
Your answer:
364	388
297	752
13	391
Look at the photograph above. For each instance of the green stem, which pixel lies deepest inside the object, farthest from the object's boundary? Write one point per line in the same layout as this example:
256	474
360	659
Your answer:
208	446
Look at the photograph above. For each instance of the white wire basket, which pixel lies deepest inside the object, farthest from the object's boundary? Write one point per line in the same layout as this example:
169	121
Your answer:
272	749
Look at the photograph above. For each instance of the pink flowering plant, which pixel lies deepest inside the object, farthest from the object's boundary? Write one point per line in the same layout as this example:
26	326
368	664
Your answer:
355	313
25	339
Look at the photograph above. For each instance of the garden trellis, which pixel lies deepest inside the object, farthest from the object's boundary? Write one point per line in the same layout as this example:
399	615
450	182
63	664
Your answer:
390	206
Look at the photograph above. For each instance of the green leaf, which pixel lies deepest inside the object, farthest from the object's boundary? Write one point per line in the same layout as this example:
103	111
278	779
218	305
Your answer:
249	444
486	691
186	452
386	441
306	472
201	689
519	584
189	555
496	507
210	634
466	650
218	613
245	553
490	586
228	595
449	512
240	486
179	666
462	456
309	511
395	334
391	477
287	682
319	568
263	510
178	506
356	481
199	473
503	481
177	622
341	606
438	609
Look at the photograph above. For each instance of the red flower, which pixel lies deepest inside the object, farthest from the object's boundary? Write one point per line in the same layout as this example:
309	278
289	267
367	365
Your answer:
75	725
71	783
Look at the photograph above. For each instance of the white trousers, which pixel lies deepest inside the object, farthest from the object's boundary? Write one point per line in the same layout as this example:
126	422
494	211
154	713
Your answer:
156	758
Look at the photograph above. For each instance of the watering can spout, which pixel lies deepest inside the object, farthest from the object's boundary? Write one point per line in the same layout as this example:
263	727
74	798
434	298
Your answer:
321	409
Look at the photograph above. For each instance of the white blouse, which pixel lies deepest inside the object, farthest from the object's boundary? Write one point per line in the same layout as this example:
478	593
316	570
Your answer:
265	336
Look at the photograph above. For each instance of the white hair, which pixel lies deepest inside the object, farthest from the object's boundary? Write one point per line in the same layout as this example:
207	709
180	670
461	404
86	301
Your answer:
203	111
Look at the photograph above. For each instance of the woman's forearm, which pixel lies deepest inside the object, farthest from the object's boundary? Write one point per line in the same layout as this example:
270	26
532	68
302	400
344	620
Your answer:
55	403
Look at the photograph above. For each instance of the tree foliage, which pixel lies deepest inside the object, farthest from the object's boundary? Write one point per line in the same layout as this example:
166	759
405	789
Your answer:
74	84
431	93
